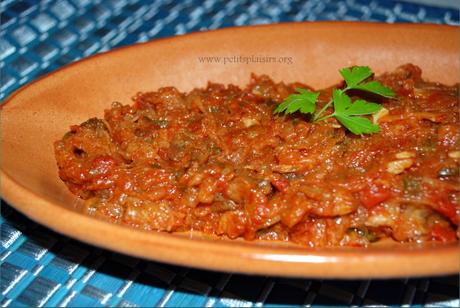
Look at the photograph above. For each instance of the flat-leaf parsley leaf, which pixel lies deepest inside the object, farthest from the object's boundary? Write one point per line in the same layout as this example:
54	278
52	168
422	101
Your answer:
346	113
304	102
376	88
355	75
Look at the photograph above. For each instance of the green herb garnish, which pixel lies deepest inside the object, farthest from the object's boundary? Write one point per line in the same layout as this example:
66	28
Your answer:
348	113
304	102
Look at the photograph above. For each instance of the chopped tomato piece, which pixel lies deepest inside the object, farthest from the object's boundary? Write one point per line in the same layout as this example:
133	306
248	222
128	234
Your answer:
445	206
280	183
443	234
374	195
102	165
449	210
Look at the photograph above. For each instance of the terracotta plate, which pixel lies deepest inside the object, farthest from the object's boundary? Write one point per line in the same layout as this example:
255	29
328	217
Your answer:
42	112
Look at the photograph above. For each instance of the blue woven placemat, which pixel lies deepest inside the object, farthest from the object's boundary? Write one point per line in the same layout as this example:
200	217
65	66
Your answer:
42	268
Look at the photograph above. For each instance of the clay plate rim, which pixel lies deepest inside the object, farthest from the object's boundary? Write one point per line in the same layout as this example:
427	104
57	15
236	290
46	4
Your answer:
232	256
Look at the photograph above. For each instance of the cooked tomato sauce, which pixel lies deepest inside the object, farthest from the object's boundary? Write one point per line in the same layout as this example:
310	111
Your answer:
217	160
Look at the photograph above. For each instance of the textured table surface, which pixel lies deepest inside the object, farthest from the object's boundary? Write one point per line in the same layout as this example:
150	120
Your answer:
42	268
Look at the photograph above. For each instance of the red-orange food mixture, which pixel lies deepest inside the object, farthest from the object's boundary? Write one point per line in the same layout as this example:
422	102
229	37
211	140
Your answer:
217	160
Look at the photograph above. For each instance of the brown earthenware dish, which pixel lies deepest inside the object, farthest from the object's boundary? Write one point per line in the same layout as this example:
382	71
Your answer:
41	112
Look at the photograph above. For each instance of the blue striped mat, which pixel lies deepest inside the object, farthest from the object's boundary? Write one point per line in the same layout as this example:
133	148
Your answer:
42	268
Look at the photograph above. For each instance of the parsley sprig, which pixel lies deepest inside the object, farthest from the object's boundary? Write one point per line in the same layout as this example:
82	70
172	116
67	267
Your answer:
348	113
